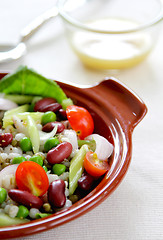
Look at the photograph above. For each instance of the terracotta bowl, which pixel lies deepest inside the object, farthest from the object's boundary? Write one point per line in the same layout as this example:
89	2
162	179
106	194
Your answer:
116	111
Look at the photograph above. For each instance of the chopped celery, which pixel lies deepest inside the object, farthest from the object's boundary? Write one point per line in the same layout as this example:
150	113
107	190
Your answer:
33	134
42	215
91	144
8	119
21	109
66	102
35	115
5	220
20	99
76	168
36	99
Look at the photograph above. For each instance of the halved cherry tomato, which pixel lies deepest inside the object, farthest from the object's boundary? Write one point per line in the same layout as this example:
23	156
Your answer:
80	120
94	166
30	176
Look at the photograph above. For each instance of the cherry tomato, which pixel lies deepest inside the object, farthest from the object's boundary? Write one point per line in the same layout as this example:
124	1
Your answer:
31	177
80	120
94	166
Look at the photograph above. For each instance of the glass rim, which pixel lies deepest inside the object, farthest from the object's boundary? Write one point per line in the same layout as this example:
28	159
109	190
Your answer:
158	18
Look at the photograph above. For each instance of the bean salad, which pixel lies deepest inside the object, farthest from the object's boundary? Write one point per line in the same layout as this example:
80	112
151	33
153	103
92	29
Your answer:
50	156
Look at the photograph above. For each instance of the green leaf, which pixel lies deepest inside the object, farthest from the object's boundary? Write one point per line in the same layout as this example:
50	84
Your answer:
26	81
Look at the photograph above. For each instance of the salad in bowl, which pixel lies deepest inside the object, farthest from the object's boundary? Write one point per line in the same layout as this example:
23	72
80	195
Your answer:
50	154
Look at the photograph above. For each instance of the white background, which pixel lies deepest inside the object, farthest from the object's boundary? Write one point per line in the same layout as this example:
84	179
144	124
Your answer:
135	210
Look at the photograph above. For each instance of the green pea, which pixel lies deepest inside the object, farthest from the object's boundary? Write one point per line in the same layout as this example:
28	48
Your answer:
25	144
17	160
37	159
23	212
51	143
3	195
45	168
58	168
48	117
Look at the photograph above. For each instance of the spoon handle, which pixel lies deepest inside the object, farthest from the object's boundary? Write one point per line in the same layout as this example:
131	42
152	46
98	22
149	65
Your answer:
36	24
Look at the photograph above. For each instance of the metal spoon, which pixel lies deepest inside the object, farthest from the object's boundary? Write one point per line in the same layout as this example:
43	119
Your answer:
10	52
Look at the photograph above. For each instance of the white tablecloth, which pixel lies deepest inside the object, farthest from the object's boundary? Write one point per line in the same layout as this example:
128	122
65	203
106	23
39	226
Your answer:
135	210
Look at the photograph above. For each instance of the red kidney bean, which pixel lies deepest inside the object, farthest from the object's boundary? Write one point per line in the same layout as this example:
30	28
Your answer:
42	103
62	114
85	182
48	127
5	139
56	193
59	153
26	198
53	107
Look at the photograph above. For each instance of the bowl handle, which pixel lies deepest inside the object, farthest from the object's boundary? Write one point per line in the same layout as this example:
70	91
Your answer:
128	108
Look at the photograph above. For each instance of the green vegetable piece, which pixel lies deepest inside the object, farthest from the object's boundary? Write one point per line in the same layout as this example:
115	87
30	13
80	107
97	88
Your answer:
3	195
31	107
17	160
48	117
25	81
76	168
19	99
67	102
5	220
42	215
26	144
37	159
91	144
36	99
58	168
51	143
23	212
45	168
33	134
7	119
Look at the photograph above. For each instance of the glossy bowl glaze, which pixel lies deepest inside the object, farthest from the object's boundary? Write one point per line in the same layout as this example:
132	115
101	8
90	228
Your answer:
116	111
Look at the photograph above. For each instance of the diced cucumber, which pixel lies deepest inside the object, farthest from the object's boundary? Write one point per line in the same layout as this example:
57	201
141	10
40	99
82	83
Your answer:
76	168
5	220
33	133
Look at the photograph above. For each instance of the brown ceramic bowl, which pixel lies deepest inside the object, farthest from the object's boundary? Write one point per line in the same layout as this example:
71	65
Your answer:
116	111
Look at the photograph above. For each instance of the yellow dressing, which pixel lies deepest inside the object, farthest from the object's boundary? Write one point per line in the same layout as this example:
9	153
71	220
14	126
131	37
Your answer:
111	51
